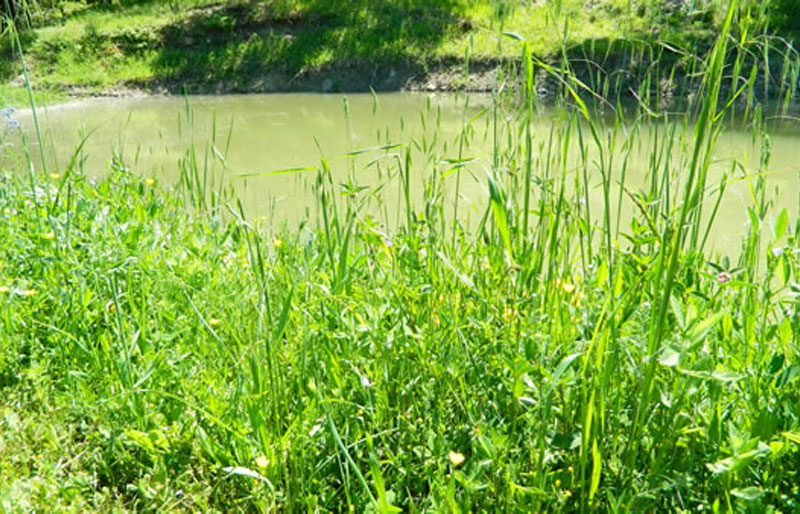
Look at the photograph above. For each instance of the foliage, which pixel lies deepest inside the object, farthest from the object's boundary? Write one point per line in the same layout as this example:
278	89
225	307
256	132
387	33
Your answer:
159	350
784	18
241	45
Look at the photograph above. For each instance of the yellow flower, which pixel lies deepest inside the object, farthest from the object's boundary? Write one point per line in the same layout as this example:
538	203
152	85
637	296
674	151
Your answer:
455	458
262	461
558	482
28	292
277	243
4	289
55	176
568	288
214	322
49	236
149	182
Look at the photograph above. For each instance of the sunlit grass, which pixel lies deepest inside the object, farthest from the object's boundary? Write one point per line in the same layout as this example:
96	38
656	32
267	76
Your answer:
160	349
143	43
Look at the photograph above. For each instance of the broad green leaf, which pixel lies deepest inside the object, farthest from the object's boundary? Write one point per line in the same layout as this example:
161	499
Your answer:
669	357
748	493
726	376
498	200
700	331
722	376
562	368
677	309
597	467
781	224
784	270
727	325
247	472
785	331
793	437
602	274
513	35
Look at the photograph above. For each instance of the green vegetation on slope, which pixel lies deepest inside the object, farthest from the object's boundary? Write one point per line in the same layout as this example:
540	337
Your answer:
158	351
249	45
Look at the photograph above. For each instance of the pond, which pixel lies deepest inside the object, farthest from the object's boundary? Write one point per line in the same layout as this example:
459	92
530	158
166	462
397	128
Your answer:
244	138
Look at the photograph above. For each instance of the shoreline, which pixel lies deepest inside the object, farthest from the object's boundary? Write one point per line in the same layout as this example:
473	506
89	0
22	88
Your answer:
444	77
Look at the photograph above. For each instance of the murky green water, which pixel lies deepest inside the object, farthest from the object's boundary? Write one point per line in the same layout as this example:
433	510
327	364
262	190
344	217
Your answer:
263	133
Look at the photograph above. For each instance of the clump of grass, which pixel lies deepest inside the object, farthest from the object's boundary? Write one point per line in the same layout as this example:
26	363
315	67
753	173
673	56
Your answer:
159	350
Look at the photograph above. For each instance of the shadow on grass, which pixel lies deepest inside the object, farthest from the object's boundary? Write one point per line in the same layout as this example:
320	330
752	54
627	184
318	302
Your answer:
269	45
9	56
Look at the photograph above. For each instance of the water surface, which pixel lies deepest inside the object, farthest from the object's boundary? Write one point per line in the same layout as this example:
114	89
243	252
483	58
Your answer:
239	137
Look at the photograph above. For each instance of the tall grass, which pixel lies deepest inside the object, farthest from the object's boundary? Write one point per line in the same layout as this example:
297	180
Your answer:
559	354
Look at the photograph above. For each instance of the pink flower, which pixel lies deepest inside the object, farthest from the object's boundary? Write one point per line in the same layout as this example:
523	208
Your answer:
723	277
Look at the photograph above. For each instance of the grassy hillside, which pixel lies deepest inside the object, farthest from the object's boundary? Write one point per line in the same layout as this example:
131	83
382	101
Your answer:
269	45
